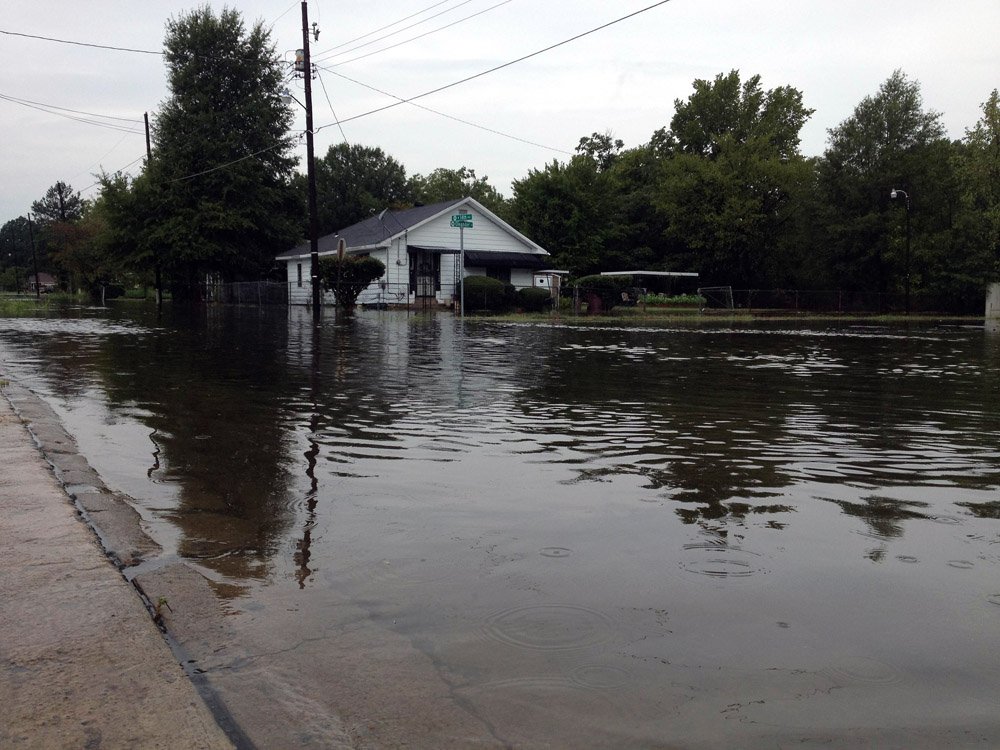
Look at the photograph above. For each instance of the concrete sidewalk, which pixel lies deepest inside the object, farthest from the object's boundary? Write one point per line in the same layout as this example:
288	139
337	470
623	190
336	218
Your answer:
81	663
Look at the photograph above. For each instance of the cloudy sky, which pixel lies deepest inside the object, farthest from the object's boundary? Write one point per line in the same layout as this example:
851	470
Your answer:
624	78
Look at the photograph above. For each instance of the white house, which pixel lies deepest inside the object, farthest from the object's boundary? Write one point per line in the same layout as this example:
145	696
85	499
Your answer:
421	249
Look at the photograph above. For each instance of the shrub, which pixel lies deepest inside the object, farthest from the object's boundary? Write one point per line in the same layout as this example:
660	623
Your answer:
680	300
484	293
347	277
600	292
534	299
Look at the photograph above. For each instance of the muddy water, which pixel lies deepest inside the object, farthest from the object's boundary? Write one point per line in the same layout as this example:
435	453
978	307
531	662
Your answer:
559	536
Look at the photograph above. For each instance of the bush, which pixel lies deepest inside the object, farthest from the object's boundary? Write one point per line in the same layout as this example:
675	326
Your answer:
484	293
534	299
601	293
677	300
347	277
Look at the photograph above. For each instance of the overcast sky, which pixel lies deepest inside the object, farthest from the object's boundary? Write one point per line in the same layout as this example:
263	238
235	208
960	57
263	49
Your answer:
624	78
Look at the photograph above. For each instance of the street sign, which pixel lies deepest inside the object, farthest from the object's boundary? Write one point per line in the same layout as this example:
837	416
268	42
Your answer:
461	223
462	217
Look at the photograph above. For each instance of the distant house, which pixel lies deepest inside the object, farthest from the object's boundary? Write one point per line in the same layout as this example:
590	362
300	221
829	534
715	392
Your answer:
421	250
46	282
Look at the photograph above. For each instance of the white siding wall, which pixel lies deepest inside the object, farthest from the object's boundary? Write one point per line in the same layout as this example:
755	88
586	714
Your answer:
484	235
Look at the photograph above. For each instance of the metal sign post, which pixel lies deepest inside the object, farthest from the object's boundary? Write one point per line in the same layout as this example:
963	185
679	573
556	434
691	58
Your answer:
463	222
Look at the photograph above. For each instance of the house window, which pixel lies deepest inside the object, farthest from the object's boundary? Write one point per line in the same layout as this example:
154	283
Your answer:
300	274
503	274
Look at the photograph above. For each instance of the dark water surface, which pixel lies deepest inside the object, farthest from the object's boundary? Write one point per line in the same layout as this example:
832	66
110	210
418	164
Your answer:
565	536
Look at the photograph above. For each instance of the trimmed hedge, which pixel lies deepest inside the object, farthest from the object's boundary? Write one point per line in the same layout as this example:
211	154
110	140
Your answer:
484	293
534	299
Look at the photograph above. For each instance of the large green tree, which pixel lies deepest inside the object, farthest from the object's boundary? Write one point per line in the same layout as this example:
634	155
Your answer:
890	141
220	178
445	184
978	168
353	182
727	188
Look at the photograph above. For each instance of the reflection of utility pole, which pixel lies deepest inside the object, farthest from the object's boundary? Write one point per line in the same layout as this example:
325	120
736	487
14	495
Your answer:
906	280
310	166
156	255
34	258
304	552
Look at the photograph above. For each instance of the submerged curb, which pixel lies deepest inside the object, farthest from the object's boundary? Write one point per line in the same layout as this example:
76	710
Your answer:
83	664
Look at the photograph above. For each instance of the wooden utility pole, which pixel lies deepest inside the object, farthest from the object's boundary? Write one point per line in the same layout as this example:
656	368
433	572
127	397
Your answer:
34	257
310	167
156	255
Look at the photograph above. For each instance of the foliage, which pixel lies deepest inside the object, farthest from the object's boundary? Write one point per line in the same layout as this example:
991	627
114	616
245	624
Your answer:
348	276
451	184
674	299
353	182
607	290
59	203
534	299
978	169
217	197
485	293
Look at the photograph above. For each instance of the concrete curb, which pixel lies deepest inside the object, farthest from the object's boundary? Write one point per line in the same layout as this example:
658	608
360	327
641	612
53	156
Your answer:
82	664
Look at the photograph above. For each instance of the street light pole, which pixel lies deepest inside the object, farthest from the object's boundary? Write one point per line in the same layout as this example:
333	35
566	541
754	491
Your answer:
906	280
310	167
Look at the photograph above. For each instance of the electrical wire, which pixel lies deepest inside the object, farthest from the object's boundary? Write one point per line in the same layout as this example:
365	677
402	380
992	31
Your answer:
498	67
323	85
227	164
54	111
382	28
121	169
397	31
446	115
18	100
420	36
82	44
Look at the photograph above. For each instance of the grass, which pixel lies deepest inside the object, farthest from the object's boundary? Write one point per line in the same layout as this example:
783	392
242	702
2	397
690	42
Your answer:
694	315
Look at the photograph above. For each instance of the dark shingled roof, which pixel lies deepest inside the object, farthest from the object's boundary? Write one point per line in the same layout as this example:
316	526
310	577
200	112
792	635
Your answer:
372	231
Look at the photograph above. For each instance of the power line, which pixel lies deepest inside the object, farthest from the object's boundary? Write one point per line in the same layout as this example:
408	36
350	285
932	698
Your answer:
18	100
82	44
277	145
445	114
323	85
419	36
51	111
121	169
383	28
398	31
501	66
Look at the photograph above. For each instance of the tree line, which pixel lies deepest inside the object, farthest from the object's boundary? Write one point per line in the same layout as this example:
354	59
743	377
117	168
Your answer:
723	189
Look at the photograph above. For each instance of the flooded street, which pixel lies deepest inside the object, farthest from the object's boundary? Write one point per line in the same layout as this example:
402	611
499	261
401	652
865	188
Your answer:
514	535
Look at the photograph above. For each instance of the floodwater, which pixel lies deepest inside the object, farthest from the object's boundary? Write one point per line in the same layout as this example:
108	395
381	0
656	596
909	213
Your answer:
549	536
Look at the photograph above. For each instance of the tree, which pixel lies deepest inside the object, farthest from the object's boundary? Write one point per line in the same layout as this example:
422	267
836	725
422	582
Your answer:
353	182
565	208
725	111
889	141
59	203
978	168
450	184
347	276
220	178
727	184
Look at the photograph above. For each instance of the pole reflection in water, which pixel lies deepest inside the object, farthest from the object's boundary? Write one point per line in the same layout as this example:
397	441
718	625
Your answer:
572	536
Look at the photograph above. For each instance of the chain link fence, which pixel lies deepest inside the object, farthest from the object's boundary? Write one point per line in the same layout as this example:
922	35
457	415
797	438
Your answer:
246	293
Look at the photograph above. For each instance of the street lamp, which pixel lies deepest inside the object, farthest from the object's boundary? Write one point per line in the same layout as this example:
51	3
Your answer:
895	194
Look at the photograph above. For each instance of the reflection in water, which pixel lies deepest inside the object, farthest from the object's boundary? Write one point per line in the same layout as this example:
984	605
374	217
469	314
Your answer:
883	514
575	536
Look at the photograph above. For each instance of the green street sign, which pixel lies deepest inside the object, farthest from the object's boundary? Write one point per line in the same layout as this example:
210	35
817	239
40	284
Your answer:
462	217
461	223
